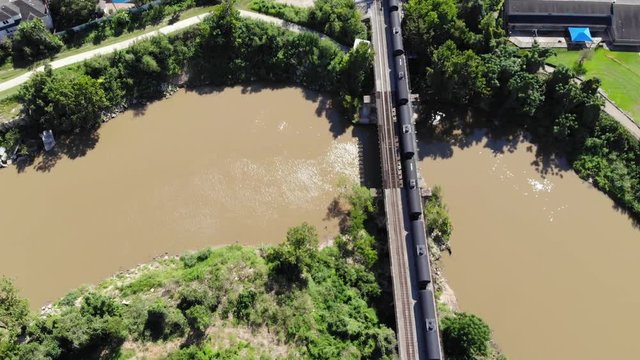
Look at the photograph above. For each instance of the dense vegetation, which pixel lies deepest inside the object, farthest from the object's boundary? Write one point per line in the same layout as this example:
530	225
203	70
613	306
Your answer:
339	19
463	60
38	43
290	301
69	13
465	337
439	227
224	50
32	42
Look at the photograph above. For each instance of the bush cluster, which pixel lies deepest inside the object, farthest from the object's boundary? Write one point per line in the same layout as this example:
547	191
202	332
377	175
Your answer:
34	42
339	19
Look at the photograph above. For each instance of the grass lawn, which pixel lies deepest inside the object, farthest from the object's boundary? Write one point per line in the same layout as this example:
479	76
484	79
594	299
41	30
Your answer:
618	70
9	108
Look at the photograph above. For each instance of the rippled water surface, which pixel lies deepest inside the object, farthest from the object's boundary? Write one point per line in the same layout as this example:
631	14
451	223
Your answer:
234	166
541	255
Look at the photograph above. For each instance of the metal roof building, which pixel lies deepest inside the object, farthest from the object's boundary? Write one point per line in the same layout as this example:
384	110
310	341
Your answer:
616	20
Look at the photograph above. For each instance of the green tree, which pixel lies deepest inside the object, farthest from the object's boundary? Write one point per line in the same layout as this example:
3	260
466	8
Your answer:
69	13
64	103
355	68
198	317
33	41
439	227
295	256
430	23
527	93
465	336
5	50
456	76
340	19
14	315
535	58
217	46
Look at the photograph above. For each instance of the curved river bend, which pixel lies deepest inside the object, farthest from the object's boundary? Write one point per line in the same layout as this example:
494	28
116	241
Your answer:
236	166
544	258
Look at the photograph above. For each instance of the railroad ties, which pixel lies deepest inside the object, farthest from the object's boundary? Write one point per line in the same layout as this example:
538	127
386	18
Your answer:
414	301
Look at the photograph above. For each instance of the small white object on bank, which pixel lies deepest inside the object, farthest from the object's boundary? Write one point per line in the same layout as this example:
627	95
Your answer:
48	140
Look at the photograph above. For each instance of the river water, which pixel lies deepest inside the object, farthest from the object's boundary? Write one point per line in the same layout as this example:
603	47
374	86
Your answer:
199	169
539	254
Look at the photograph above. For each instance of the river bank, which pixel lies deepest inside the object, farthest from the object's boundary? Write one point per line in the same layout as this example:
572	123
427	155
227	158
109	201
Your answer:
256	172
535	249
268	302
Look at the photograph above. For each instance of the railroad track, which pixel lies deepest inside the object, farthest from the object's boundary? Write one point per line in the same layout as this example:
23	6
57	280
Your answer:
392	182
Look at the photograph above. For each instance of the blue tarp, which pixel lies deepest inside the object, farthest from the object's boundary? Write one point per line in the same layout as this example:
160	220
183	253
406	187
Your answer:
580	34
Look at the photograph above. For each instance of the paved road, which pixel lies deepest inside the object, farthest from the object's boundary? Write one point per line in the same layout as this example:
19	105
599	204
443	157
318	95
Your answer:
613	110
164	30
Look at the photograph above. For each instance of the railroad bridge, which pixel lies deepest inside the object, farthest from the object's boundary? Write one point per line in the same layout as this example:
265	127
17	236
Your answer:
415	306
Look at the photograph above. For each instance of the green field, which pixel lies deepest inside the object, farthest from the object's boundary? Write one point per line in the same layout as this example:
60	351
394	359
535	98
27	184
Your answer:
619	72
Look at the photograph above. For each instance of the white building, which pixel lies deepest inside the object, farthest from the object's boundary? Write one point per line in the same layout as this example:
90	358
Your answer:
12	12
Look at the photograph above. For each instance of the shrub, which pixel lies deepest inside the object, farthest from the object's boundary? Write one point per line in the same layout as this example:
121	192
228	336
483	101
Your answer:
465	336
33	41
164	321
99	305
198	317
68	103
192	258
244	304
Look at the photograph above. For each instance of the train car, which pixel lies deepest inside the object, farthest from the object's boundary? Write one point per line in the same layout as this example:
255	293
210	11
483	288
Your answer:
396	35
423	268
430	325
394	5
402	86
413	190
407	132
407	141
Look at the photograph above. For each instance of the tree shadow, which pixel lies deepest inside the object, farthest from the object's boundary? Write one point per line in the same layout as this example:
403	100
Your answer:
204	90
194	337
548	163
336	210
455	129
383	304
635	222
139	109
500	143
71	147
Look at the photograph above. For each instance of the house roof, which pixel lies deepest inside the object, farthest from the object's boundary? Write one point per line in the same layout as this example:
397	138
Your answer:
28	9
564	7
7	11
626	21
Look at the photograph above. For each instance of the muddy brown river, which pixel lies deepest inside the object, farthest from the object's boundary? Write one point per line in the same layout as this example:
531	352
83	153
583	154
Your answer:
235	166
545	259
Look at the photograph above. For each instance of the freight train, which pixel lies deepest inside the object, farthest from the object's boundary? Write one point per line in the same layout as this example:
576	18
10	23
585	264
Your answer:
408	150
